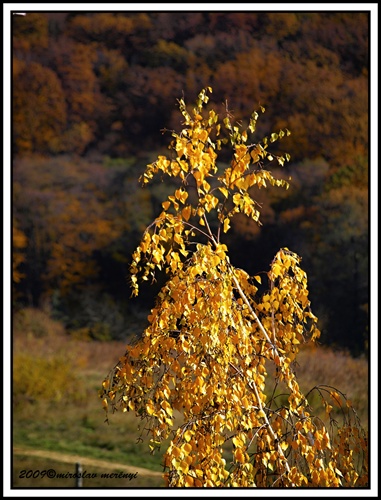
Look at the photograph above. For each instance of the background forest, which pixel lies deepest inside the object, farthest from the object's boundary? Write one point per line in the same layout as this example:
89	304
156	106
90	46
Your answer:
92	93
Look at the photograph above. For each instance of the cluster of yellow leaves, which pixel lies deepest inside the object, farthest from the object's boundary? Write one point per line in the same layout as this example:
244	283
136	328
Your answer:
203	360
165	242
199	351
199	374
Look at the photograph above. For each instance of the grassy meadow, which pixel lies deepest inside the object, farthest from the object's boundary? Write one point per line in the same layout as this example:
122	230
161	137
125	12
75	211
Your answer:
58	418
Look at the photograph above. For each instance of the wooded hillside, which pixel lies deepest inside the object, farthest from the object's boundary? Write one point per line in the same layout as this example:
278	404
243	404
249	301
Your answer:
91	94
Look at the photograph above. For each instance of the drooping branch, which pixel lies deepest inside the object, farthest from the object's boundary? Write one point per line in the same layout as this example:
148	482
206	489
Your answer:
262	412
277	358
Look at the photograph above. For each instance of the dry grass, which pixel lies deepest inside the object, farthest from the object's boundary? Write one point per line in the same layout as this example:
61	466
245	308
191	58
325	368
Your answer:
321	366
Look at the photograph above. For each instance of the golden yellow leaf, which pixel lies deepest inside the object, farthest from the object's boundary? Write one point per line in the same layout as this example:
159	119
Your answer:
175	452
181	195
183	467
177	238
245	402
226	225
150	408
336	398
310	457
186	212
206	187
239	456
237	441
189	481
224	191
187	447
276	269
284	445
167	408
188	435
294	445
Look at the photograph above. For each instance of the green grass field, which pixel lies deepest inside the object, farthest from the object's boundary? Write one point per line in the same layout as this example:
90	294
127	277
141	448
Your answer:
57	409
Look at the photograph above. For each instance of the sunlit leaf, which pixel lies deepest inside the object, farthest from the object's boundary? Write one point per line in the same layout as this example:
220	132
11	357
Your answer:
186	212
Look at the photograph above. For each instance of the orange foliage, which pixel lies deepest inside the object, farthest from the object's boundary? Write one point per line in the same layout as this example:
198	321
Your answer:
313	67
19	242
39	109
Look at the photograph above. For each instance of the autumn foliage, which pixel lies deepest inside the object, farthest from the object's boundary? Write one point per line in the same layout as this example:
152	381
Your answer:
215	370
83	85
